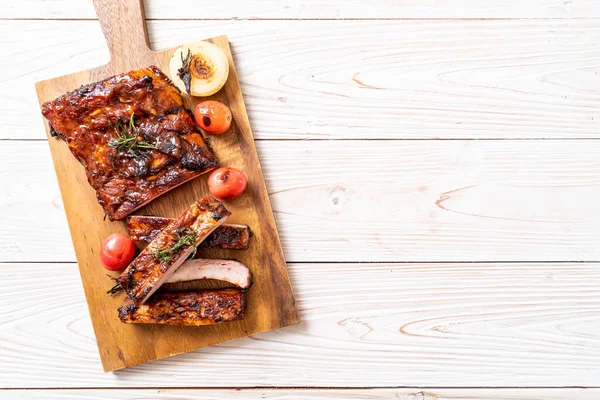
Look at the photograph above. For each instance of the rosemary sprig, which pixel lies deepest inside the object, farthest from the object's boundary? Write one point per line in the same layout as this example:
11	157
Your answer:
165	255
184	72
115	289
128	139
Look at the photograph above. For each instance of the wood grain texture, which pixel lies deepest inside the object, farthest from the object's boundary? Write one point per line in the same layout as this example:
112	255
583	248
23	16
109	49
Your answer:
311	394
298	9
373	200
472	324
382	325
368	80
270	301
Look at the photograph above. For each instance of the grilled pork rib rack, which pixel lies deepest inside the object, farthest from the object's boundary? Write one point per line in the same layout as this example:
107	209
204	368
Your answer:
132	135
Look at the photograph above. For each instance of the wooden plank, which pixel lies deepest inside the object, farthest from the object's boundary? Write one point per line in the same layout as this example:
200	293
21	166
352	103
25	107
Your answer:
363	325
270	301
298	9
311	394
370	79
373	200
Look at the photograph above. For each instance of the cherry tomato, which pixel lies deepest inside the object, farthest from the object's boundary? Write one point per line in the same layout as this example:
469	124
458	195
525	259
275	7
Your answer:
116	252
227	183
213	116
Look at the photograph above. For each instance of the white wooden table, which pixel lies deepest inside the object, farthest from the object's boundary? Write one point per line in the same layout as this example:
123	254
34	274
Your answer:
435	172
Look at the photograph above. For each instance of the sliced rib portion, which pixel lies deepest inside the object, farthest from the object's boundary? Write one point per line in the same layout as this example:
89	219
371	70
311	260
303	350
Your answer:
231	271
144	229
133	135
171	248
204	307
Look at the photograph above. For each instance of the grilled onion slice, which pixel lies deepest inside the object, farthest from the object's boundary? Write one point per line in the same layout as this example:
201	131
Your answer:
199	68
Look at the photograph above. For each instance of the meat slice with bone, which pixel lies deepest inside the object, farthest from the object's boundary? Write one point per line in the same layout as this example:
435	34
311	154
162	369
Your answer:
230	271
196	308
144	229
153	266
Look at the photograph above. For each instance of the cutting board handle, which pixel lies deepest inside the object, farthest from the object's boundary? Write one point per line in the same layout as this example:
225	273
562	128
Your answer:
124	26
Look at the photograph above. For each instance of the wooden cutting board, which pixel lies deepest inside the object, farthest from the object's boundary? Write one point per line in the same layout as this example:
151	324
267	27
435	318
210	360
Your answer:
270	300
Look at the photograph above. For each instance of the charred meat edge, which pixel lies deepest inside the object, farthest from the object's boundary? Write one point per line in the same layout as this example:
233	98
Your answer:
148	272
144	229
195	308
